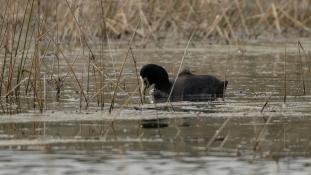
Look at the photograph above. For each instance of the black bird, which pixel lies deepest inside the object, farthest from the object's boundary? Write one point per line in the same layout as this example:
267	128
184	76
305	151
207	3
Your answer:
188	86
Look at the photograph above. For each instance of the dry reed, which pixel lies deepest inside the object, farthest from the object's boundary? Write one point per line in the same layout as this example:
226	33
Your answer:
301	68
77	20
285	77
121	69
27	25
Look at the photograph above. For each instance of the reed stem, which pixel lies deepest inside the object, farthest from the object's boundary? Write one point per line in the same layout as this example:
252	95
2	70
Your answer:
121	70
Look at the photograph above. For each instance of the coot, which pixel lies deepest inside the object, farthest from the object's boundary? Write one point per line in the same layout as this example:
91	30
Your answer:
188	86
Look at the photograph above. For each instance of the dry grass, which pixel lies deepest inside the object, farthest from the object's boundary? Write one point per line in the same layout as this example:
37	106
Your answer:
229	20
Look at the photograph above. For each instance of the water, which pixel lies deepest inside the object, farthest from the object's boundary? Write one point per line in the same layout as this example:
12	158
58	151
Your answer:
240	135
143	163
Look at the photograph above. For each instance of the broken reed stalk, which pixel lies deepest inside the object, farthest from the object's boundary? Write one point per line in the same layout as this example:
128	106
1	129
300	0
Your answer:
23	58
121	70
33	75
38	39
27	89
242	17
125	103
14	27
137	76
21	30
102	85
276	17
83	36
264	106
80	30
112	58
285	90
225	75
112	85
2	42
266	103
96	84
261	135
4	24
37	59
217	132
103	40
296	22
180	66
88	76
3	69
117	84
44	93
5	51
70	66
58	80
301	71
81	90
301	68
10	41
102	81
230	27
16	86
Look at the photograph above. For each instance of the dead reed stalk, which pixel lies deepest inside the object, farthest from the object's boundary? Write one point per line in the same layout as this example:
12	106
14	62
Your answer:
224	20
70	67
103	40
266	103
217	132
261	135
137	76
285	77
23	58
121	70
302	77
83	36
81	91
180	66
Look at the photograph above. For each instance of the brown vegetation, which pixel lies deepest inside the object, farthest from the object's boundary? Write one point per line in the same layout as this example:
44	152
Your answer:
226	19
31	28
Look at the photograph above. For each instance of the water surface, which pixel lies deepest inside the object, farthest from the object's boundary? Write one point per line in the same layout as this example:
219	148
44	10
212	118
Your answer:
253	131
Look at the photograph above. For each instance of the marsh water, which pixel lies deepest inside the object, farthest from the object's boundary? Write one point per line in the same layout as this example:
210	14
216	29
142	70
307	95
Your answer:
261	127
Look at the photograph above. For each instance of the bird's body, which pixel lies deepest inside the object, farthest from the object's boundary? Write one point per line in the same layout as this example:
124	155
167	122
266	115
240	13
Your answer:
188	86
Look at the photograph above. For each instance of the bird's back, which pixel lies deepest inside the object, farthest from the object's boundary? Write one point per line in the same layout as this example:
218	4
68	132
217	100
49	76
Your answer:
190	87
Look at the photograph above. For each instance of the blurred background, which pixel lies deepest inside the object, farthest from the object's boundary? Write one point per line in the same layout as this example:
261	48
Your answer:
225	21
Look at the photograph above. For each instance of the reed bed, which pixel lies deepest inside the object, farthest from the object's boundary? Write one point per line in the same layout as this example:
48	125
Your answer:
32	29
228	20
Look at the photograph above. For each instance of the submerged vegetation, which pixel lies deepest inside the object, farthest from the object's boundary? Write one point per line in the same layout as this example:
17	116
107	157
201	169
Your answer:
34	30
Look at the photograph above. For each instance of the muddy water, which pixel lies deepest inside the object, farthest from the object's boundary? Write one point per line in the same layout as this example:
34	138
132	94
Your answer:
240	135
